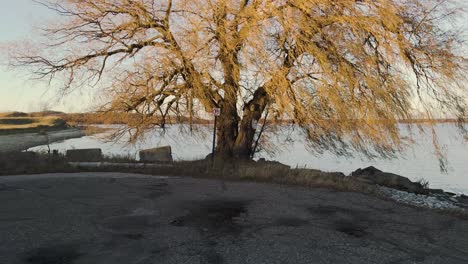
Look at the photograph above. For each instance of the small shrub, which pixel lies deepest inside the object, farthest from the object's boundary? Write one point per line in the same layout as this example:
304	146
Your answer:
424	183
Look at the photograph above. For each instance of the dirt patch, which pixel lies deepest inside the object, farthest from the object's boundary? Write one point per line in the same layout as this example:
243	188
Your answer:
219	216
61	254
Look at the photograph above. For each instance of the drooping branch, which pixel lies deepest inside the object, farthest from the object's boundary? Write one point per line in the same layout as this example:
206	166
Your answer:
344	71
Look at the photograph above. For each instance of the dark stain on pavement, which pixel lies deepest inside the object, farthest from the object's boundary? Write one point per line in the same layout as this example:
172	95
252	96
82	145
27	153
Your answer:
61	254
291	222
350	228
134	236
130	226
329	210
112	180
349	221
212	257
214	215
157	190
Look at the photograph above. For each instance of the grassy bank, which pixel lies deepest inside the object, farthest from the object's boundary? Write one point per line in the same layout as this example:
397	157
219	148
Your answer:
21	163
272	172
26	124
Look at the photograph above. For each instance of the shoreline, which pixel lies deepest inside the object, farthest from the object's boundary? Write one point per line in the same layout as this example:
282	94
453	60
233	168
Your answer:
23	141
267	172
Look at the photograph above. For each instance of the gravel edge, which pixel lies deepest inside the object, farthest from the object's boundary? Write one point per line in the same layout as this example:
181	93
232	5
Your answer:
430	201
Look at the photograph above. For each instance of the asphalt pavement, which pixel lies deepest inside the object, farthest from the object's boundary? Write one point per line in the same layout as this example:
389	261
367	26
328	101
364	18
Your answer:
111	218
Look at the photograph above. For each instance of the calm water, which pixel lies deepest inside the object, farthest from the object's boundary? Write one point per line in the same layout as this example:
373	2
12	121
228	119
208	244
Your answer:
417	162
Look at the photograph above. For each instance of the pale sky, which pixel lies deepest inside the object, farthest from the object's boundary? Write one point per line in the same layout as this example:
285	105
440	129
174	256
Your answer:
19	19
16	20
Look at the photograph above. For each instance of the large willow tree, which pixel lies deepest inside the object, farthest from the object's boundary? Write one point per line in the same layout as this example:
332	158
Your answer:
344	71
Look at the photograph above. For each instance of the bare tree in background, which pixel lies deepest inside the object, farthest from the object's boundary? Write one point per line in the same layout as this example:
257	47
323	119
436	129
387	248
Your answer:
344	71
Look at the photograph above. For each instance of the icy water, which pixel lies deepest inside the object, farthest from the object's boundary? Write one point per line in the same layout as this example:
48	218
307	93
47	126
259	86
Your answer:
417	162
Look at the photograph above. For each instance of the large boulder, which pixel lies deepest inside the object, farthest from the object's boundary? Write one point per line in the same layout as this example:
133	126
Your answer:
371	175
463	201
157	155
84	155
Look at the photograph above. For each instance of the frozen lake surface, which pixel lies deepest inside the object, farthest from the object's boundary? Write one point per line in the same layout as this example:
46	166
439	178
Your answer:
417	162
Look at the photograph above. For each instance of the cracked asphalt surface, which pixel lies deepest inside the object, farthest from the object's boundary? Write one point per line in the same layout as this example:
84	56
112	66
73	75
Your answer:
126	218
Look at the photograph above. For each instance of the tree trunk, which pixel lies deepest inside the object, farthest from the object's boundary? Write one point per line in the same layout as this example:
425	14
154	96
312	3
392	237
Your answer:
227	130
253	111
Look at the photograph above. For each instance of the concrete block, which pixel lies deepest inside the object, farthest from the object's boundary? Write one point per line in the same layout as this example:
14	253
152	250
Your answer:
157	155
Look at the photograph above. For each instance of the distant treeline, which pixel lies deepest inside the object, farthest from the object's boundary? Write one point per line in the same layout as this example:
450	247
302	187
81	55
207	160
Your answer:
33	114
125	118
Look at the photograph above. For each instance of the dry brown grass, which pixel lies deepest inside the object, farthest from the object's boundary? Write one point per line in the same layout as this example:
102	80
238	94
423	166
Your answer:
17	124
15	163
270	172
